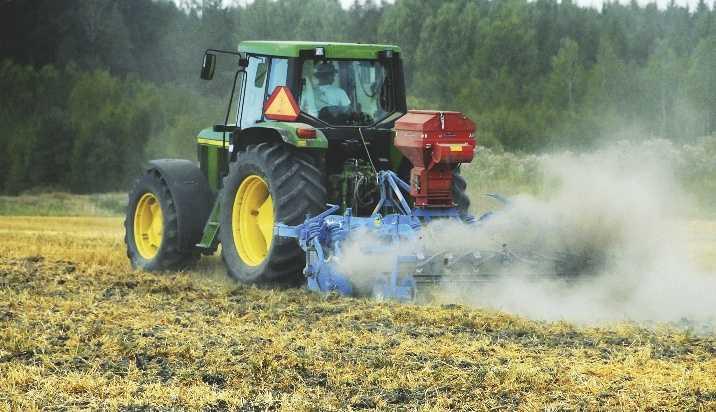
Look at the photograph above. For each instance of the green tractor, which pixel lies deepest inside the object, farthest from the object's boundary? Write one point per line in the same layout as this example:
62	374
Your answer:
313	125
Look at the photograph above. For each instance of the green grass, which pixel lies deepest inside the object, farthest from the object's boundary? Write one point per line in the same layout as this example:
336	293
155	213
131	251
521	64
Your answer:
63	204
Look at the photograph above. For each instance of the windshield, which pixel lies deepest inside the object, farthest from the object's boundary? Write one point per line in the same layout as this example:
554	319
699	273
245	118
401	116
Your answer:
345	92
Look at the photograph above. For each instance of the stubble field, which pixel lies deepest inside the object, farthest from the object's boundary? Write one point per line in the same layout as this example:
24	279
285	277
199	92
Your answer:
81	330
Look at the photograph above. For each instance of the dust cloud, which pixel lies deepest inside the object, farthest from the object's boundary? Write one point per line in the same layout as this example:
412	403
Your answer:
615	221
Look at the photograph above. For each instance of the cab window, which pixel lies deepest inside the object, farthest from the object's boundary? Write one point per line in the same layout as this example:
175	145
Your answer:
251	111
278	75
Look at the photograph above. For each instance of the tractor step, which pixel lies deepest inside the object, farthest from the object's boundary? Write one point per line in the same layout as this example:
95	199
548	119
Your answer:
209	240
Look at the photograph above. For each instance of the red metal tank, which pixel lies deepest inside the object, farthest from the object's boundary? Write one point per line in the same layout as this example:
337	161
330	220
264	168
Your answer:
435	142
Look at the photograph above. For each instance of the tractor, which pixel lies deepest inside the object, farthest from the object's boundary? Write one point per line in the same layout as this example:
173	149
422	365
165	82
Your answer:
307	124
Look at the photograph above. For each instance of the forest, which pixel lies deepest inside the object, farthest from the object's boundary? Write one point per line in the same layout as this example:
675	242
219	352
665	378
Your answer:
91	89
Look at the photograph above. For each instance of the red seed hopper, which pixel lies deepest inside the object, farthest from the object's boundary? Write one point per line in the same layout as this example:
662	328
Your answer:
435	142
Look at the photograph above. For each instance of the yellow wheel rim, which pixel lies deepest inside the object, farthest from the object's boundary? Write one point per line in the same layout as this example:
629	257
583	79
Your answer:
148	226
252	220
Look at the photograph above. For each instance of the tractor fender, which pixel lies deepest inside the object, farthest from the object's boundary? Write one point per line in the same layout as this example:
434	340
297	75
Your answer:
279	131
191	195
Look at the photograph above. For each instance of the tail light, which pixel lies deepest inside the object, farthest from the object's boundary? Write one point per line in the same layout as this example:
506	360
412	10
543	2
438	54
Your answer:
306	133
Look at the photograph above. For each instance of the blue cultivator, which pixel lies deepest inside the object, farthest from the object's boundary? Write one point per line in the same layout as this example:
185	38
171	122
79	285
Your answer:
435	143
323	236
393	225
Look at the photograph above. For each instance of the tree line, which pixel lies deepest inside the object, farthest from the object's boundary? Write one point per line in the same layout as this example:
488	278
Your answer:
91	89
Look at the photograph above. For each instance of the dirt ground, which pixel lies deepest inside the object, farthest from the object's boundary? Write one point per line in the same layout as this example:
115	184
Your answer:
81	330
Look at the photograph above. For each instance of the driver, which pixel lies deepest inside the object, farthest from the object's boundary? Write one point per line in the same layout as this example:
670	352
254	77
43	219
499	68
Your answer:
326	93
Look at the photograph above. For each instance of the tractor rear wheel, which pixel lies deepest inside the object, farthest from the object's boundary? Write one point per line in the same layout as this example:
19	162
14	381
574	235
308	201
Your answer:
150	225
267	184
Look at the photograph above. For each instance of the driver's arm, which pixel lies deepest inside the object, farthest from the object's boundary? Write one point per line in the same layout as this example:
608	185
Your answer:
308	100
343	99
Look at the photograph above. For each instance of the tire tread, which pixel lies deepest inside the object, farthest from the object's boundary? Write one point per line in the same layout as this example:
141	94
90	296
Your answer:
297	190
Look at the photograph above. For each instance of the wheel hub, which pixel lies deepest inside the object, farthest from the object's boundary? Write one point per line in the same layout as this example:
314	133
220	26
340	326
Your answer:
252	220
148	226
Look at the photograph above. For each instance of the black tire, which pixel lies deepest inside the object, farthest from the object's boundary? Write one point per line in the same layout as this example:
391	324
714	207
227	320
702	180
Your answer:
296	186
459	193
168	256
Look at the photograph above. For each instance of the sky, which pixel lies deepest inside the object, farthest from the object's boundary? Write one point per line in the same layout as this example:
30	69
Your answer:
661	3
591	3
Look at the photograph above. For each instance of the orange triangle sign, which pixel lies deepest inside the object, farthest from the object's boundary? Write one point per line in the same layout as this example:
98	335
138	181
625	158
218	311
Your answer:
281	105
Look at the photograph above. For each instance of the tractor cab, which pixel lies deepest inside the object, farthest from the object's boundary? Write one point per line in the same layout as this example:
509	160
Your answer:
333	84
343	98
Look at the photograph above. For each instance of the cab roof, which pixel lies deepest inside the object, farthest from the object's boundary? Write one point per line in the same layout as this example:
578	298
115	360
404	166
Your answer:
332	50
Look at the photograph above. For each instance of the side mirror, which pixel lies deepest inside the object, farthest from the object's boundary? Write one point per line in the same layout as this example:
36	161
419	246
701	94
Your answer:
208	66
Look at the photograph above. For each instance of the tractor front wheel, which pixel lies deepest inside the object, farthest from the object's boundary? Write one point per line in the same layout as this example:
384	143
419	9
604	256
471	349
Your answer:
267	184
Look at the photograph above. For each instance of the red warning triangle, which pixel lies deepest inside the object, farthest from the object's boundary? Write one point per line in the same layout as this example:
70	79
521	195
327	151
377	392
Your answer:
281	105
